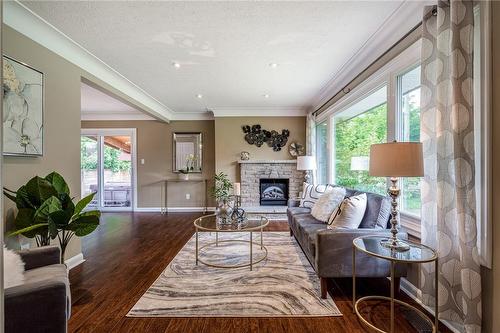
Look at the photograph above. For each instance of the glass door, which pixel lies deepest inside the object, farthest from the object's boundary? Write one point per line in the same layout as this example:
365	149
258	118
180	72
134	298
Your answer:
89	167
107	167
117	171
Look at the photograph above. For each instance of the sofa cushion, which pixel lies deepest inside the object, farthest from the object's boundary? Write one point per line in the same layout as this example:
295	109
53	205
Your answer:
292	211
327	203
378	210
306	229
57	272
350	213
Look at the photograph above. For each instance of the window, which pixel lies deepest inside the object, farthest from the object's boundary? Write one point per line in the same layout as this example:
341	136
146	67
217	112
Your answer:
322	152
356	129
408	118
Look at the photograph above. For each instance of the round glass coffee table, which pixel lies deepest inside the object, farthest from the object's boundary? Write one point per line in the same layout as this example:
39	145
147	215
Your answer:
210	223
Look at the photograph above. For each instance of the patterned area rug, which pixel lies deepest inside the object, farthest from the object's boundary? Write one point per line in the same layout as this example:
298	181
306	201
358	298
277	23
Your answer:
282	285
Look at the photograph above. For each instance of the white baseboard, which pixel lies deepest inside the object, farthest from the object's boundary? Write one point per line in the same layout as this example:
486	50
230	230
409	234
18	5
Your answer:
74	261
173	209
412	291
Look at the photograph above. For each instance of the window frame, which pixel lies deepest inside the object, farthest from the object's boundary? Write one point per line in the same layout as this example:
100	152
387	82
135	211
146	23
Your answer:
387	75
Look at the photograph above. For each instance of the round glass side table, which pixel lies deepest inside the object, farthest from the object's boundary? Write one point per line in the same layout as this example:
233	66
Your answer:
417	254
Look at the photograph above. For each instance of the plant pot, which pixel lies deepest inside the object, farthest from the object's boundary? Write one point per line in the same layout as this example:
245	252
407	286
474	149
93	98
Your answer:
184	176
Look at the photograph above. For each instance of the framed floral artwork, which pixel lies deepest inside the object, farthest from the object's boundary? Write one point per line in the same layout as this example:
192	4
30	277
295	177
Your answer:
22	109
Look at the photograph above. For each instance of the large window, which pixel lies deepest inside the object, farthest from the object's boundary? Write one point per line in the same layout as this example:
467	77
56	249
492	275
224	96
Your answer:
408	118
356	129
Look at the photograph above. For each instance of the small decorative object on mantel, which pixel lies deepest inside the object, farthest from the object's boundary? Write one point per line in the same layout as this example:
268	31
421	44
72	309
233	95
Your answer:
296	149
255	135
245	156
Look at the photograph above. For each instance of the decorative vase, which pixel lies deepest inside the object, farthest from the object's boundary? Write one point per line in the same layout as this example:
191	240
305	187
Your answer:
184	176
224	211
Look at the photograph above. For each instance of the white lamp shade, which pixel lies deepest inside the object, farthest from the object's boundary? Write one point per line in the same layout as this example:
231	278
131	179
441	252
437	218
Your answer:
306	163
396	159
360	163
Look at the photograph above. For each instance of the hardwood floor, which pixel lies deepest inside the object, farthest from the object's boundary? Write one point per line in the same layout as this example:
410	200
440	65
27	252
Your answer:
128	252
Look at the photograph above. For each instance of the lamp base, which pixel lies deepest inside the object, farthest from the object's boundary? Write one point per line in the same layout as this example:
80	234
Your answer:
395	244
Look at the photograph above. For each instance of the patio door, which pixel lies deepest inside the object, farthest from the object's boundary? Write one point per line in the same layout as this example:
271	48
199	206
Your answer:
108	167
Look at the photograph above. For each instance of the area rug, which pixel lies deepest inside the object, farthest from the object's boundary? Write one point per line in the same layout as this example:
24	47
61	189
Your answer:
284	284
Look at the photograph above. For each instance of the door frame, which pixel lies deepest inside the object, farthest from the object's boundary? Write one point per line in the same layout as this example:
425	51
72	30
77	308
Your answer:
100	175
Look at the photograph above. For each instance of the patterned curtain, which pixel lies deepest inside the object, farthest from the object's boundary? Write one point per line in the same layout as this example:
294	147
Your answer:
311	140
448	195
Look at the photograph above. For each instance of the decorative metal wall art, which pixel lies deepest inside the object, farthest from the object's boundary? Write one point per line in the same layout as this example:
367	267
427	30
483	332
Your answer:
255	135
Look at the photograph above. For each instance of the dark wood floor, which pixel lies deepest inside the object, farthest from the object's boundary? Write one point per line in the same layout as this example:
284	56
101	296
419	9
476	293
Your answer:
129	251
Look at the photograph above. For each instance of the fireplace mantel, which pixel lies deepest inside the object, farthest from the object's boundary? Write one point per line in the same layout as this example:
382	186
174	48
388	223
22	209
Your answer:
268	162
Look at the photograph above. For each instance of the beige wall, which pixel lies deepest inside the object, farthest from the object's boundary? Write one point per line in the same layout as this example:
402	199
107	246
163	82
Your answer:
61	121
154	145
230	142
491	278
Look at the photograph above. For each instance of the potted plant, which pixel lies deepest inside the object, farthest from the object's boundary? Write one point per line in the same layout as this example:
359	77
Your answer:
46	211
221	193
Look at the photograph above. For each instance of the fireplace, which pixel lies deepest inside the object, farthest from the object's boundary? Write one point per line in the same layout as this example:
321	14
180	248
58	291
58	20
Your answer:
273	191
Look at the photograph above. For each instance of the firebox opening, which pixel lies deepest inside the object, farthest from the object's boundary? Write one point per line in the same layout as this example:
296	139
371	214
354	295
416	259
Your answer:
273	192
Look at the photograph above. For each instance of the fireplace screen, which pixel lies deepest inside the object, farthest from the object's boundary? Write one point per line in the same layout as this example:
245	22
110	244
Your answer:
273	192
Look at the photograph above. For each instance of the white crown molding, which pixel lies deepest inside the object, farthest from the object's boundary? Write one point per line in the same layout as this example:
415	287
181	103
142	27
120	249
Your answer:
207	115
402	20
114	115
22	19
258	111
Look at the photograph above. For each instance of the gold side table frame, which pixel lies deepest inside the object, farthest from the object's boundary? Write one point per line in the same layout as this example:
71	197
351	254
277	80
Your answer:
208	223
394	257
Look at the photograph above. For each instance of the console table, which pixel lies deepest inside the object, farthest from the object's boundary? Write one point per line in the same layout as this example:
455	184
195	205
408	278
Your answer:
418	254
164	192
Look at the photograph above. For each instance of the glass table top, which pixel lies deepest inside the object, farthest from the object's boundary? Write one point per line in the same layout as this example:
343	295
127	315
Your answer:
417	252
212	223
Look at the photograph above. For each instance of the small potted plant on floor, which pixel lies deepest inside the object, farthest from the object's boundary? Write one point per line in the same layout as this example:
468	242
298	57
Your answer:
221	193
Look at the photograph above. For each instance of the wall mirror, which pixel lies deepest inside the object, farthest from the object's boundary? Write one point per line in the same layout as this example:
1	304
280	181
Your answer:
187	152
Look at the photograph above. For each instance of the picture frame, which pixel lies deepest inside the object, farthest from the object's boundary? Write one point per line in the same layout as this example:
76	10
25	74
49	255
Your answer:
23	108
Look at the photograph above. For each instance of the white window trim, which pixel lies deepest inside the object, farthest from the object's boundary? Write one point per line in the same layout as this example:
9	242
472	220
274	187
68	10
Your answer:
387	75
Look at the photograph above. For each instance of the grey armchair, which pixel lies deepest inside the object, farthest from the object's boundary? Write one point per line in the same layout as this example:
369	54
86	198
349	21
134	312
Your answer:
43	302
330	250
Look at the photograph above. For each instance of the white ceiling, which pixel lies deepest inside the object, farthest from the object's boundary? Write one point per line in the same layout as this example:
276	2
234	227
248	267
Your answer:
97	105
224	48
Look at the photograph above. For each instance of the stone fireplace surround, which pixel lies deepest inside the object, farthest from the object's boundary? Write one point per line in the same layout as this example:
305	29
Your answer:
252	171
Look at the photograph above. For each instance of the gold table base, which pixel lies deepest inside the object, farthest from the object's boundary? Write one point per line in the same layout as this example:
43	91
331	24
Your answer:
251	261
388	299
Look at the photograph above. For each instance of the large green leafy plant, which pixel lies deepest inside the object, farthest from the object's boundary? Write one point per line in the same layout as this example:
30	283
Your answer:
46	211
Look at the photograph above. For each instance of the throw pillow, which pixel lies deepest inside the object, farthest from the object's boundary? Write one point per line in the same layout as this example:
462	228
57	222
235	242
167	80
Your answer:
13	270
311	194
349	214
328	203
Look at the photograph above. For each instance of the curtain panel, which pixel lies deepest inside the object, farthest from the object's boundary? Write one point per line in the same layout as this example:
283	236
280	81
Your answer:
311	139
448	190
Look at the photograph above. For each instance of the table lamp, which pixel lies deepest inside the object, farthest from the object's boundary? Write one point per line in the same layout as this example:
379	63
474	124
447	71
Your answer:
396	159
306	163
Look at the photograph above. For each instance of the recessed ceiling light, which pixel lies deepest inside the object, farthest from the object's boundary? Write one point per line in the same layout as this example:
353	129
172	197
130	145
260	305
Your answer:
265	95
199	96
176	65
273	65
